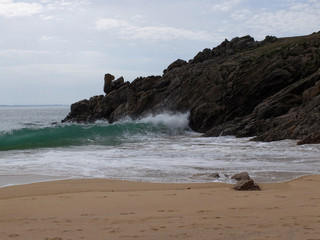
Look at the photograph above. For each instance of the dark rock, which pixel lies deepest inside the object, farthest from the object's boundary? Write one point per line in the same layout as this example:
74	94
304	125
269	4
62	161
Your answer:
241	176
214	175
268	90
313	138
226	48
108	78
206	54
110	84
270	39
246	185
176	64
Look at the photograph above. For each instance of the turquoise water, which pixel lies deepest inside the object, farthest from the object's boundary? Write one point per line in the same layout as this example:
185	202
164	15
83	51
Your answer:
35	146
65	135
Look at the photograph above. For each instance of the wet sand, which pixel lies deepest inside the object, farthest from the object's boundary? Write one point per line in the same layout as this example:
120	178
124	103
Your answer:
109	209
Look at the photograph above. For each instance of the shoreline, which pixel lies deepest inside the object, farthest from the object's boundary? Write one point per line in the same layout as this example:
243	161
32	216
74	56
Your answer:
21	180
115	209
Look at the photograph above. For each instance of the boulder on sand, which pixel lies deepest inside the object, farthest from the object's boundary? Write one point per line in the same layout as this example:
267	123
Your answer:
241	176
246	185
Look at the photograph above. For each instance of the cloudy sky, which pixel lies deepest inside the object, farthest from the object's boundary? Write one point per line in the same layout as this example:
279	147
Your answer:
57	51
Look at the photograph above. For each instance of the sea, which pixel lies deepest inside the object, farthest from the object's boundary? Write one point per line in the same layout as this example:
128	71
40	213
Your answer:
35	146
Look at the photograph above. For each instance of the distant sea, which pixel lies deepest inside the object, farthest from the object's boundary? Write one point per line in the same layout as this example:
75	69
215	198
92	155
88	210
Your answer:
35	146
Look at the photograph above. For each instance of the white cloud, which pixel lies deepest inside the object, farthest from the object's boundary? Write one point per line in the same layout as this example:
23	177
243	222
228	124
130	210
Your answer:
108	23
49	17
225	5
150	33
8	8
240	15
21	52
11	8
52	39
66	4
299	6
155	33
297	19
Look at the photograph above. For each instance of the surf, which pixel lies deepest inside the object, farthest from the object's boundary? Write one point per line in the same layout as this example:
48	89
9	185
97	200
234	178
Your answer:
99	133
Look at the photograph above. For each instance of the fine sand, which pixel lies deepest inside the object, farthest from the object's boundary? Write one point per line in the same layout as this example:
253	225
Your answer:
109	209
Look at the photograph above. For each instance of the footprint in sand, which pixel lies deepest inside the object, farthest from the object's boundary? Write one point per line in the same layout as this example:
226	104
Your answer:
64	197
13	235
86	214
102	197
280	196
130	213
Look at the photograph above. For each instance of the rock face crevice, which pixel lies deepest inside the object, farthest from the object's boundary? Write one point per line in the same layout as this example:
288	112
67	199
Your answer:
269	90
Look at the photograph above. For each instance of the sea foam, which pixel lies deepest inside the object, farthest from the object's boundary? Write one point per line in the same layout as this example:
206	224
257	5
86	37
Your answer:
174	122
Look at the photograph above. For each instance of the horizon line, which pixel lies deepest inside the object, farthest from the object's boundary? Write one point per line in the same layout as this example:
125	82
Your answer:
31	105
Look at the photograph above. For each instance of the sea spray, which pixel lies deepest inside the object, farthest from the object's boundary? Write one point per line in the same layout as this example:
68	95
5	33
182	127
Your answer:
175	122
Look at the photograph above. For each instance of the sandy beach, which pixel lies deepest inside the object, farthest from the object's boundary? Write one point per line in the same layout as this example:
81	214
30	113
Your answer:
110	209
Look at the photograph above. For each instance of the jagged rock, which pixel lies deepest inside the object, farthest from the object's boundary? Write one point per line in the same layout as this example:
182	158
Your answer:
270	39
246	185
206	54
310	139
226	48
241	176
108	78
267	90
175	64
110	84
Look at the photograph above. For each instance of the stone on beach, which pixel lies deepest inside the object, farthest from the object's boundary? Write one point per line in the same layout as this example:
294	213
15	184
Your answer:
241	176
214	175
245	185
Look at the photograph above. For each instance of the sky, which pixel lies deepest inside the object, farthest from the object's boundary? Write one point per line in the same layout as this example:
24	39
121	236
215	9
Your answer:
57	51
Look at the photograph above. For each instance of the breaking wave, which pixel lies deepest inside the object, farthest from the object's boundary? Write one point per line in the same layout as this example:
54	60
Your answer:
100	133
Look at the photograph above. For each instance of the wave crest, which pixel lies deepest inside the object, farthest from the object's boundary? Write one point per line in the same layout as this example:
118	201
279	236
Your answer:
101	133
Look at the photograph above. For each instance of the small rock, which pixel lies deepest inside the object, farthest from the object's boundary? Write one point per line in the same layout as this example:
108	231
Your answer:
214	175
245	185
241	176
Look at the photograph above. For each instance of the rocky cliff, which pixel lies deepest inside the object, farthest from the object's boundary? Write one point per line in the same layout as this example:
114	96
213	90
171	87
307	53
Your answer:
269	90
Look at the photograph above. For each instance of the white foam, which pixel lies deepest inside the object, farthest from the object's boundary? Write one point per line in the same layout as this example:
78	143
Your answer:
177	121
173	158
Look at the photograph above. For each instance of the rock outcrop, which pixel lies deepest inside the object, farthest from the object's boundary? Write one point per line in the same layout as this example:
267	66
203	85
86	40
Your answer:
268	90
110	84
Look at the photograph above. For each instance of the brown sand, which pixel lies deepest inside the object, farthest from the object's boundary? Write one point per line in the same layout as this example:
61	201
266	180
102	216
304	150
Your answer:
108	209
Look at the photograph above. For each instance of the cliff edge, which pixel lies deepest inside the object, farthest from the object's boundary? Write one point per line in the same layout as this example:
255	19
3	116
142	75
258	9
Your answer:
268	90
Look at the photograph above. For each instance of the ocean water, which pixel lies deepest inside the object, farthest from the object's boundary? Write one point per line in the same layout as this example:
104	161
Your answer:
157	148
